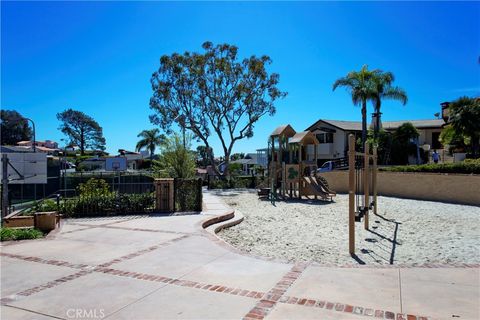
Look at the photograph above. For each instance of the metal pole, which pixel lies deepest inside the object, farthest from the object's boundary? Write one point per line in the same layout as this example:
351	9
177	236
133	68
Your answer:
4	186
351	194
374	179
366	176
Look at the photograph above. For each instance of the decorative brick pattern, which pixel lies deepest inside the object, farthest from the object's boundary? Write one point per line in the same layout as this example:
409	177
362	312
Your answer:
44	261
53	283
111	226
271	298
266	302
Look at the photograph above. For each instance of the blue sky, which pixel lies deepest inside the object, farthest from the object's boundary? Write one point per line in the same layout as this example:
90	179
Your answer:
98	57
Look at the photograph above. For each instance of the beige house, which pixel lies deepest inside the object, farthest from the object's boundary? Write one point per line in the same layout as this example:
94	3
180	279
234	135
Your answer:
333	135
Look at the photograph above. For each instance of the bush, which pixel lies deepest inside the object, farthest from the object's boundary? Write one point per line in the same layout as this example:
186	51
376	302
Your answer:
107	204
468	166
19	234
94	187
238	182
45	206
188	195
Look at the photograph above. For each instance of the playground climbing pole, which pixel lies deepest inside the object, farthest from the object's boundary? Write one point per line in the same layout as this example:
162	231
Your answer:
369	178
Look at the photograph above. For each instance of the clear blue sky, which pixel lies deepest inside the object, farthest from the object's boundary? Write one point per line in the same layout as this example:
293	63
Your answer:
98	57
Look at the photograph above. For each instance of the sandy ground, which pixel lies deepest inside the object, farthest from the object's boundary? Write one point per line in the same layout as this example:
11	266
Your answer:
404	231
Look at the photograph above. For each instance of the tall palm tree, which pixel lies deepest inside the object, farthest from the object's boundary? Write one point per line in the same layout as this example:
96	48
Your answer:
383	89
150	140
361	88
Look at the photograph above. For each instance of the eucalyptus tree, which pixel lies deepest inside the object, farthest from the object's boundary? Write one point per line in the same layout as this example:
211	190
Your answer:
214	94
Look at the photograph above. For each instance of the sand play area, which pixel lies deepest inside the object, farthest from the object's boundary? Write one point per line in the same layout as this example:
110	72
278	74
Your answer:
406	231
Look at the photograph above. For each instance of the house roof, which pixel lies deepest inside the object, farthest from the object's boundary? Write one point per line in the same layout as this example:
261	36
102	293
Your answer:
387	125
304	137
419	124
286	130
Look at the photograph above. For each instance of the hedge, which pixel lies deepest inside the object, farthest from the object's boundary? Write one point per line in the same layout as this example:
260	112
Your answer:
469	166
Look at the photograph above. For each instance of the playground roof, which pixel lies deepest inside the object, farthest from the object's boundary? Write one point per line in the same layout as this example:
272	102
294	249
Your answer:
285	130
304	137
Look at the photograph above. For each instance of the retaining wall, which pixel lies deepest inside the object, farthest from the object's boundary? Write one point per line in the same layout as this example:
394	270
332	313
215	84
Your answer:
454	188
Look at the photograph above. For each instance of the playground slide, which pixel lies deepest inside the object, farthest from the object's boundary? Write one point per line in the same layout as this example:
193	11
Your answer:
322	182
316	189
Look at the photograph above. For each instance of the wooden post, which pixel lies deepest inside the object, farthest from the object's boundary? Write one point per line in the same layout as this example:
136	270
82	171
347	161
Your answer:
374	179
351	194
366	178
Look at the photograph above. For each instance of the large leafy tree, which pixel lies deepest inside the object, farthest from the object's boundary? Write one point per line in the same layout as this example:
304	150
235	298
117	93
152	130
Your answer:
150	139
403	143
203	155
82	130
383	89
14	128
464	117
214	94
176	160
361	88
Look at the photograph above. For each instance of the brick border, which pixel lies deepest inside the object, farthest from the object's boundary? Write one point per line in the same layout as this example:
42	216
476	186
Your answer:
269	301
266	302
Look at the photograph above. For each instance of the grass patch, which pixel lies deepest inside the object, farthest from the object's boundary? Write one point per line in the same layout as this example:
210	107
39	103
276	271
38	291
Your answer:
7	234
467	167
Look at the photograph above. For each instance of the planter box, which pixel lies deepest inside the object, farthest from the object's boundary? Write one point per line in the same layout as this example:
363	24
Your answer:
45	221
18	222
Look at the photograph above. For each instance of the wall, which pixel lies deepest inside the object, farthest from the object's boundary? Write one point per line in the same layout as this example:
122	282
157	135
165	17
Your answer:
454	188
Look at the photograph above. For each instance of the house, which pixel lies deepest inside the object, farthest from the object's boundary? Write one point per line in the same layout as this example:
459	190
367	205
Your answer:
249	163
44	144
333	135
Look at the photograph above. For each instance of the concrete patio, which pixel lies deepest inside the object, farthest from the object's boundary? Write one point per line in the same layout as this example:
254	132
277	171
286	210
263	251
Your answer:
159	267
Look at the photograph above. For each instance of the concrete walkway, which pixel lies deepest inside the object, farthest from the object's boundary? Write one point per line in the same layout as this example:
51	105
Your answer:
157	267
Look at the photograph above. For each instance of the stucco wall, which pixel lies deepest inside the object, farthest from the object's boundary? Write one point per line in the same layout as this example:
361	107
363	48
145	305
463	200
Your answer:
454	188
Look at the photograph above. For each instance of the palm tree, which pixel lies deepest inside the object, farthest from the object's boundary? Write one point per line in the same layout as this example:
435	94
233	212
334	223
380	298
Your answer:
361	88
383	89
150	140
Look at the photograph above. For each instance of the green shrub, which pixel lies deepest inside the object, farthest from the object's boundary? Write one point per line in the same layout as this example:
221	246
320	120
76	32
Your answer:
45	206
19	234
468	166
107	204
94	187
239	182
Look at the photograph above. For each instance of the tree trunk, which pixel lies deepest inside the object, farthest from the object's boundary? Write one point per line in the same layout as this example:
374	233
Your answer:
364	123
377	119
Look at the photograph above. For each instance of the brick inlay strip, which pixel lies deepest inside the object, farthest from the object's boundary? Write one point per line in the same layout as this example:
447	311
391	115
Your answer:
266	303
271	298
109	226
45	261
54	283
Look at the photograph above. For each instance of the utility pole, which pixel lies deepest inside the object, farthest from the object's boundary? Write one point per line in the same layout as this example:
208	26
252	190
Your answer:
4	186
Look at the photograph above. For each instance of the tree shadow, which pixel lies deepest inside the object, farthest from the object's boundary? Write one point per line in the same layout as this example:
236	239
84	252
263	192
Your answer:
392	240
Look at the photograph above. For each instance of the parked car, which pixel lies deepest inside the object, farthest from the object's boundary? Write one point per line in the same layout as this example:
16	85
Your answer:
327	166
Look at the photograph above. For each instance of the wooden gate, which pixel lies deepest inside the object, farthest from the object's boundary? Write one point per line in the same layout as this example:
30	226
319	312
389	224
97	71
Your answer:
164	195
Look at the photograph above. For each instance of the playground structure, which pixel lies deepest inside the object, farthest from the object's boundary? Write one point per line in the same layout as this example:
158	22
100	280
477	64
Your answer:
362	180
292	170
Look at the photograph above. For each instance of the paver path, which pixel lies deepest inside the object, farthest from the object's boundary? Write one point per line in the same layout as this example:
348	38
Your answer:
158	267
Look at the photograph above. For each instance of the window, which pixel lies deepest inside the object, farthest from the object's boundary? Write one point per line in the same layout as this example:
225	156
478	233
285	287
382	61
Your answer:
329	137
325	137
321	137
